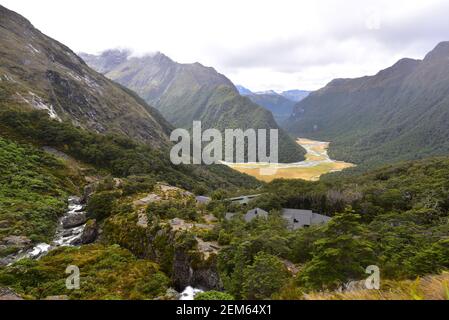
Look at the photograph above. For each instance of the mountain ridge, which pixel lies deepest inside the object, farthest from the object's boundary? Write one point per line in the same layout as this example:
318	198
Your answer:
184	93
394	115
39	72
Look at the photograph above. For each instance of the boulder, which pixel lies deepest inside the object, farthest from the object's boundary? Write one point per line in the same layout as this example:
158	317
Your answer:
74	220
90	232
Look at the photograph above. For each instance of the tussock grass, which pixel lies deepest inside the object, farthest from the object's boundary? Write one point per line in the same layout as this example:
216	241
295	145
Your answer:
426	288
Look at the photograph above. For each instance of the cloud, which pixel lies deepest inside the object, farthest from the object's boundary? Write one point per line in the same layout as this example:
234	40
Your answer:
262	44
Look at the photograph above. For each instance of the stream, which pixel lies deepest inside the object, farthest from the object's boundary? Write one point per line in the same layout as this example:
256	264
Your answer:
68	233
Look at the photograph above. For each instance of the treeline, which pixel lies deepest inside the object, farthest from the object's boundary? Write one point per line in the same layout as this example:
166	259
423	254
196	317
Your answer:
119	155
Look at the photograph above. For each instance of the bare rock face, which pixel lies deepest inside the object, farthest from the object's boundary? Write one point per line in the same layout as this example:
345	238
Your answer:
74	220
90	232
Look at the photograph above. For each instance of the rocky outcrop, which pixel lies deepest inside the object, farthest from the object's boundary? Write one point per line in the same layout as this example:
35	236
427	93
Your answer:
90	232
13	244
177	251
16	241
89	190
190	270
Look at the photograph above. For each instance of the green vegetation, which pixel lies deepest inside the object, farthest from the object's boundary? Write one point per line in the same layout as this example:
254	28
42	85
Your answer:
396	218
174	208
396	115
117	155
101	205
187	92
214	295
106	272
33	191
264	277
341	253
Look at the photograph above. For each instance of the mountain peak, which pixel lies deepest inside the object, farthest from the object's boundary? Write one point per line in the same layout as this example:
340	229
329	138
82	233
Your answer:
441	51
405	65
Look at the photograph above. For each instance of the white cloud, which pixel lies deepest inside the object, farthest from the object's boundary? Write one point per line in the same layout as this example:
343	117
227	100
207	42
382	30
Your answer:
262	44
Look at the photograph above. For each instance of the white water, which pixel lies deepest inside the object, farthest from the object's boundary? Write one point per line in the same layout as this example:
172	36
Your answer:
68	237
189	293
63	237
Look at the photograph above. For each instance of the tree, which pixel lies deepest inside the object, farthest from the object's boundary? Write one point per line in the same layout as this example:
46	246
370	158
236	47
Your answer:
432	260
341	255
264	277
101	205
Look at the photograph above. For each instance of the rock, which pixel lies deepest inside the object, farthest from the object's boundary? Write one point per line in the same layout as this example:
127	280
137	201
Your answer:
74	220
89	190
90	232
16	241
8	294
170	294
142	219
187	271
118	183
152	197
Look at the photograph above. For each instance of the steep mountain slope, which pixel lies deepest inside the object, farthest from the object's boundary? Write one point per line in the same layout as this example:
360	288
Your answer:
280	107
38	72
401	113
187	92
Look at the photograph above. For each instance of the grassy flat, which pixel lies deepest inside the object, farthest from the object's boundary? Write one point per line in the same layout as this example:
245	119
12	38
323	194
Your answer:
316	164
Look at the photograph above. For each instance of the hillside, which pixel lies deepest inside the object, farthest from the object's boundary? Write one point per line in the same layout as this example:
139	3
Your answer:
398	114
37	72
187	92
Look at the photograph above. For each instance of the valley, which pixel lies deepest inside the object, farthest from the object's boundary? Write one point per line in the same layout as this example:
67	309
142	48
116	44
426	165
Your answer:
87	179
317	163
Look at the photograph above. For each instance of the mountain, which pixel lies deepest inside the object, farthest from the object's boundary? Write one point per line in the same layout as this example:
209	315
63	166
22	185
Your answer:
280	104
295	95
401	113
187	92
67	130
37	72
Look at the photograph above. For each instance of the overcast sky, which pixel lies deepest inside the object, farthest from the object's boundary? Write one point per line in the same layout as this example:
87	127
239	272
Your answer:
261	44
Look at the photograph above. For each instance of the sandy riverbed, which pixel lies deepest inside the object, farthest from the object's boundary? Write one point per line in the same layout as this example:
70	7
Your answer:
316	164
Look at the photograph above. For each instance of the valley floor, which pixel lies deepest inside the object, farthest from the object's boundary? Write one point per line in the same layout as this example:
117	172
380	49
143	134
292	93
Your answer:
317	163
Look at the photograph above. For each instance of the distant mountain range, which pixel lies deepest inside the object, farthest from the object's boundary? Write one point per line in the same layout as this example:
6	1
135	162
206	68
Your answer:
280	104
187	92
401	113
